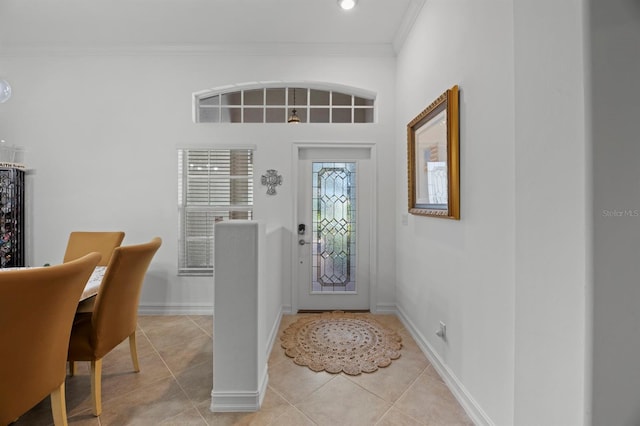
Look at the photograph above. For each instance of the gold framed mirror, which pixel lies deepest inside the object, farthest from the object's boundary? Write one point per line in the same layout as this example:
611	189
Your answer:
434	158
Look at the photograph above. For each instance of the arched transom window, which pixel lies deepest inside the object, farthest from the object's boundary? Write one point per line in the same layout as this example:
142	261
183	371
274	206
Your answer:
275	103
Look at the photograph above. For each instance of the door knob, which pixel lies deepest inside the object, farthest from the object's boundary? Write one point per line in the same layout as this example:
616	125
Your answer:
303	242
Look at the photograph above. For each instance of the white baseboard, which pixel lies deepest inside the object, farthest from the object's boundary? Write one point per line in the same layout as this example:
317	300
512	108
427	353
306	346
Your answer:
286	309
242	401
186	309
472	408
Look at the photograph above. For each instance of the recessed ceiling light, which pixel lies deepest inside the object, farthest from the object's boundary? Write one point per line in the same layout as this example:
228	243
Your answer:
347	4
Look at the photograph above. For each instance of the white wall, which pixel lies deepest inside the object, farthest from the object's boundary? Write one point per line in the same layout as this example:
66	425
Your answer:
510	279
101	129
462	272
615	65
552	315
276	265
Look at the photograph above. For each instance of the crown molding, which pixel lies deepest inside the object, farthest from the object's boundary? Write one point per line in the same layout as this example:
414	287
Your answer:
247	49
408	20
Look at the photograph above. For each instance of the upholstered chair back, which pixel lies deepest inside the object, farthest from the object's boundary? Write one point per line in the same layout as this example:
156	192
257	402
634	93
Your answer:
37	307
81	243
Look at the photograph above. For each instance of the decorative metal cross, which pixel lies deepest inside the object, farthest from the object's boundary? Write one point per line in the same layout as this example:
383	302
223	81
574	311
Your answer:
271	179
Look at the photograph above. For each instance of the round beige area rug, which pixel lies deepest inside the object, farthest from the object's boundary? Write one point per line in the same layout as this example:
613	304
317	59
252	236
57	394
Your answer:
341	342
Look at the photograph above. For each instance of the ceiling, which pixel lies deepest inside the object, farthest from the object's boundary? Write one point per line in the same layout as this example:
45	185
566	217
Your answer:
70	24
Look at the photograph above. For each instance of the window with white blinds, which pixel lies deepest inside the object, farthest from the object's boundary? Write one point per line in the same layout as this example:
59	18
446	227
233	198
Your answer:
213	185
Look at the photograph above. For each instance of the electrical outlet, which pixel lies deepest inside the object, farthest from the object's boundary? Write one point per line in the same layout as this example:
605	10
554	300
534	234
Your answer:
442	331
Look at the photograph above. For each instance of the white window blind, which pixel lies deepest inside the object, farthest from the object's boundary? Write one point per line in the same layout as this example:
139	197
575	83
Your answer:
213	185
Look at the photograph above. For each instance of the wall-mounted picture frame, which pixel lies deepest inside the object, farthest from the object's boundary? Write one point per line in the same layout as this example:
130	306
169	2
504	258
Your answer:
434	158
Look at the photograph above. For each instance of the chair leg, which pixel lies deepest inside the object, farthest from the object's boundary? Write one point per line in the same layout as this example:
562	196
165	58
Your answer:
59	406
96	386
72	368
134	352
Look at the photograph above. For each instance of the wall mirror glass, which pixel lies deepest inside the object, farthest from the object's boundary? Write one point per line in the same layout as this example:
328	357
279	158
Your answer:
434	158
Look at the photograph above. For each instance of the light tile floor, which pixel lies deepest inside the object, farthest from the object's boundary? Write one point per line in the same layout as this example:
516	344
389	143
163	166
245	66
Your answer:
175	382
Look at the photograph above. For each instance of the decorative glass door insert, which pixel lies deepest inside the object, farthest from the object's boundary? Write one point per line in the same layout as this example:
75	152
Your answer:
333	227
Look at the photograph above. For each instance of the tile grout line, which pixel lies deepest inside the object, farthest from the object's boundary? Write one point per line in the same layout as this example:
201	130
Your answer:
413	382
391	404
211	337
208	333
383	414
193	404
175	379
312	392
274	422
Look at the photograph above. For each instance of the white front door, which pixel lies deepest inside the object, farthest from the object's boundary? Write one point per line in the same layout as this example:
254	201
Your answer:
335	193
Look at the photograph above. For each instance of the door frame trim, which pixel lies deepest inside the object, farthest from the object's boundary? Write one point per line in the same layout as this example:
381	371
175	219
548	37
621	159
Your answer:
373	240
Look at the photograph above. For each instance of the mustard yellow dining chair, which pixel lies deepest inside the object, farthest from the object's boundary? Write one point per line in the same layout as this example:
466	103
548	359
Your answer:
115	314
81	243
37	307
